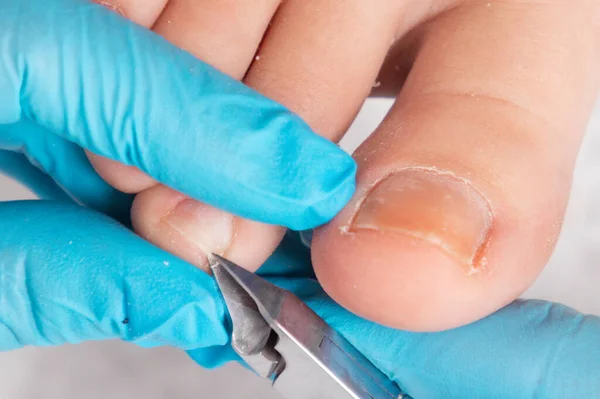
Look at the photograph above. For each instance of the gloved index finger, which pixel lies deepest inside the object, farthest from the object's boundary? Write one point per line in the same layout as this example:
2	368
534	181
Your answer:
123	92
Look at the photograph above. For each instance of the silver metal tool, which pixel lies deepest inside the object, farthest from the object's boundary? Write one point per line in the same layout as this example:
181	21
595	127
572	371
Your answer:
284	341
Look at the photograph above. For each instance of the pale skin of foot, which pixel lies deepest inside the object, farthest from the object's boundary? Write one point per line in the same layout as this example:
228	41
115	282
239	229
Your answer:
462	189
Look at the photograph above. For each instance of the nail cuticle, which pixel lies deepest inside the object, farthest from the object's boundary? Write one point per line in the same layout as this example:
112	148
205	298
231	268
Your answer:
200	226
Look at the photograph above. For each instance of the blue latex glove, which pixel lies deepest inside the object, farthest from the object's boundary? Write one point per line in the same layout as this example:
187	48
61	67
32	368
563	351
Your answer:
131	96
68	274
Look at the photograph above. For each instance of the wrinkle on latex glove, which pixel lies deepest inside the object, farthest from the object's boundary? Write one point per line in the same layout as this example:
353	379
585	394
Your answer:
17	166
69	275
133	97
63	162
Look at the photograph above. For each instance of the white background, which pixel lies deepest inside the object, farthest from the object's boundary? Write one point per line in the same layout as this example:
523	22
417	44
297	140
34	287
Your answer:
122	371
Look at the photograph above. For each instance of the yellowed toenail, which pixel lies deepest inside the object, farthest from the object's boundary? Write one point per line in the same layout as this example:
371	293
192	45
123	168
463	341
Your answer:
434	206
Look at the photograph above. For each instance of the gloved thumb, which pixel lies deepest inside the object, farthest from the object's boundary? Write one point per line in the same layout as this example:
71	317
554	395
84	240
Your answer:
69	275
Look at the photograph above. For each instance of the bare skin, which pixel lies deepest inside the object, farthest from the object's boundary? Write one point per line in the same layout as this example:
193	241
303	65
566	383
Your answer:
461	190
